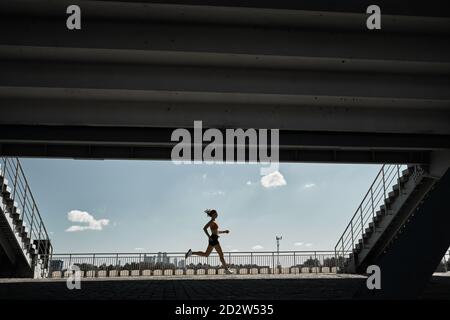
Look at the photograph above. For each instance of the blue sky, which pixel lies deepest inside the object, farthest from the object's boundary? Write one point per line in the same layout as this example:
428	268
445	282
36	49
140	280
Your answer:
151	206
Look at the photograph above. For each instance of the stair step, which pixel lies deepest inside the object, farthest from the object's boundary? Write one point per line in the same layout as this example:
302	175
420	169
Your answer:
407	171
403	179
392	194
6	191
15	213
20	229
14	216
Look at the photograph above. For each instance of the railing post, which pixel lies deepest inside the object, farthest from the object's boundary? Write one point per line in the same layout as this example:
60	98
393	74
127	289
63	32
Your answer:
38	248
140	264
93	265
32	221
398	180
15	179
25	199
371	202
273	263
362	224
51	257
335	261
315	261
2	173
445	264
384	187
295	262
351	230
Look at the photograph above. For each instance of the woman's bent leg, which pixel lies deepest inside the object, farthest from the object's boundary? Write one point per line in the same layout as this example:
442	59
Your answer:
220	252
203	254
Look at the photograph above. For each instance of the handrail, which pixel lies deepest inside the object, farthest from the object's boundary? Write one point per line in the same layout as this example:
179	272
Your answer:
370	204
175	252
95	264
315	261
29	212
31	196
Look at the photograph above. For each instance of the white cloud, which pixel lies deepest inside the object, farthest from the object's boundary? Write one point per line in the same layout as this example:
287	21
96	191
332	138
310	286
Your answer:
234	250
308	245
249	183
214	193
309	185
88	219
139	249
272	180
76	228
298	244
257	247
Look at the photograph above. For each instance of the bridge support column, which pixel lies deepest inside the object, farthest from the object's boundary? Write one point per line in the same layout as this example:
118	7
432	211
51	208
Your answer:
411	259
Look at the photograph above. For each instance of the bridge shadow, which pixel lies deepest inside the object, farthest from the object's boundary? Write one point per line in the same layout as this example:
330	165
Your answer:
338	288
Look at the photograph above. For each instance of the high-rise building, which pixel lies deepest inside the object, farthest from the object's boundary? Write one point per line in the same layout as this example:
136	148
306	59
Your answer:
149	259
56	265
165	258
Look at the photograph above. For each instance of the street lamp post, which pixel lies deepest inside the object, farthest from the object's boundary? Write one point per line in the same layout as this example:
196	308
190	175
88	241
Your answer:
278	238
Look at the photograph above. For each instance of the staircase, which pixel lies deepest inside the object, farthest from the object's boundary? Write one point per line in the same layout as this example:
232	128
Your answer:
25	247
382	215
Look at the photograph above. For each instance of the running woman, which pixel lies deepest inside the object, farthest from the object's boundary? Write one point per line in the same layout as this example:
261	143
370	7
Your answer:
213	242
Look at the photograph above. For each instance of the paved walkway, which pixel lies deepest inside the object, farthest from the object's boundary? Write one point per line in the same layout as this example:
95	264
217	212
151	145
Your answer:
284	287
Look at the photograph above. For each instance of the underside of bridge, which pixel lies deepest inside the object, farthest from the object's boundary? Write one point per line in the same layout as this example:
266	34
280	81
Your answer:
137	70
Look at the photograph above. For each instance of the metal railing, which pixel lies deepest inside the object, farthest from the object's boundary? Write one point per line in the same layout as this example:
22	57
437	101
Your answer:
444	265
174	263
29	213
373	199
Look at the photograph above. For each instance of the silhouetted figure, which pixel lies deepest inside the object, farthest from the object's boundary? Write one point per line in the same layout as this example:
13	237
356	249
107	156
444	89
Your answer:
213	240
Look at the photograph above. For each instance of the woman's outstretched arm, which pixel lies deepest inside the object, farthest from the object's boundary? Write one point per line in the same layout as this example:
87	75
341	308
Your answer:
205	228
224	231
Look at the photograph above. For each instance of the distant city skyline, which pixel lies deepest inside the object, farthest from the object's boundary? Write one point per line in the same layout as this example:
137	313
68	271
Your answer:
157	206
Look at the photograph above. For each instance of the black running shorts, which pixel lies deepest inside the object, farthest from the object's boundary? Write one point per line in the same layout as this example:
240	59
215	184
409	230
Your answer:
214	240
